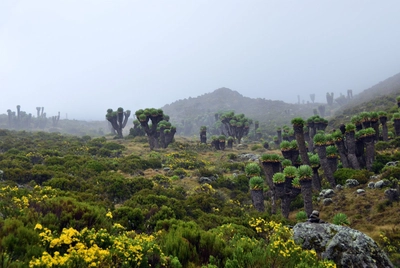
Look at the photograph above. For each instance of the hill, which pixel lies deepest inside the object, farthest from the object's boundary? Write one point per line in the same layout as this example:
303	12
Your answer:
189	114
380	97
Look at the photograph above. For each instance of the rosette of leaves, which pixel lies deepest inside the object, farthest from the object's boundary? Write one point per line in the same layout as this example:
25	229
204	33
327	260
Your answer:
270	158
304	172
319	139
293	145
398	99
396	116
298	121
373	116
230	138
365	116
221	138
337	135
341	219
382	114
285	146
252	169
356	119
331	151
329	139
314	161
296	183
290	172
285	163
350	127
256	183
278	178
203	128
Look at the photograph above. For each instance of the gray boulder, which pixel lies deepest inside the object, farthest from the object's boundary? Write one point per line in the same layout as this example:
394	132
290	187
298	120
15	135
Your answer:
382	183
351	183
345	246
371	185
327	201
360	191
327	193
392	195
207	179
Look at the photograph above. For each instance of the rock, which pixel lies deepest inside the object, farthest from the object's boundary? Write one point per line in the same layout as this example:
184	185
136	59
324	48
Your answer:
339	187
382	183
166	169
250	157
327	193
371	185
392	195
351	183
392	163
327	201
360	191
207	179
345	246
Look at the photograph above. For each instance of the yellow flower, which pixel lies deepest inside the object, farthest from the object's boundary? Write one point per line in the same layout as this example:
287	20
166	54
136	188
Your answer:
38	226
109	215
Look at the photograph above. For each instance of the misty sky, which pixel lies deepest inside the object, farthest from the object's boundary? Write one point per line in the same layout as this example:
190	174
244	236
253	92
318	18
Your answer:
83	57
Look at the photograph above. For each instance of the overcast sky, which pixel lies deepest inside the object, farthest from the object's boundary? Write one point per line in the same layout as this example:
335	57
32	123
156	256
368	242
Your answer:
83	57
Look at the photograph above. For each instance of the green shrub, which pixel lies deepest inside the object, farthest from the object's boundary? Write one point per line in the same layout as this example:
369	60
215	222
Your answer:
340	219
362	176
382	145
301	216
343	174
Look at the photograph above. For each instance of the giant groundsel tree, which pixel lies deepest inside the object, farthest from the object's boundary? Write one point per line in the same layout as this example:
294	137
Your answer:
118	119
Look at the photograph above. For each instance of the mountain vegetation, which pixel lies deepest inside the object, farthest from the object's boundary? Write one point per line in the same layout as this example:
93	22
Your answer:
97	201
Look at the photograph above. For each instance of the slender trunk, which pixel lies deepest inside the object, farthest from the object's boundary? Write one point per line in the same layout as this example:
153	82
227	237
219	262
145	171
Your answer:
279	132
222	145
369	151
316	180
230	144
280	190
257	197
321	150
294	157
298	131
397	126
311	134
351	150
332	162
342	153
270	168
375	126
360	152
306	192
383	120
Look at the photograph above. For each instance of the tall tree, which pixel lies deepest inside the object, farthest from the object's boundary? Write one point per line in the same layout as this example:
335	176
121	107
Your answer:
118	119
236	126
298	127
159	131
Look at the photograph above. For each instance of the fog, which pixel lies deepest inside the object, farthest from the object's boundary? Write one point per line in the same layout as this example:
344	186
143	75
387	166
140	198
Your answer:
82	57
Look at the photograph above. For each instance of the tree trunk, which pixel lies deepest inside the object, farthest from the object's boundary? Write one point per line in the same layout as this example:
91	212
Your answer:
360	152
375	126
270	168
311	133
316	180
342	153
397	126
306	192
257	197
351	150
298	131
321	150
369	151
383	120
332	162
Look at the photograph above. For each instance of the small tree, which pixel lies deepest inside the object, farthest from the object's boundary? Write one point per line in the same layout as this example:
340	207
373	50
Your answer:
236	126
158	128
118	119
